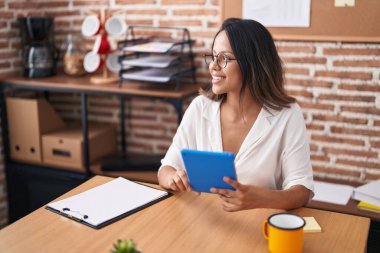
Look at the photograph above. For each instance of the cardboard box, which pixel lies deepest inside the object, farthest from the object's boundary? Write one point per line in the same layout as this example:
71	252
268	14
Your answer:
28	119
65	147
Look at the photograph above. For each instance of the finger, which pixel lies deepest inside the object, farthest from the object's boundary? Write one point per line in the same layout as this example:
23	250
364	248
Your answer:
179	183
182	174
231	207
232	182
172	185
230	200
224	192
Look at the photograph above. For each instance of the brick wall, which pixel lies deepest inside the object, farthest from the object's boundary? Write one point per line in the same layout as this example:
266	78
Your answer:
336	84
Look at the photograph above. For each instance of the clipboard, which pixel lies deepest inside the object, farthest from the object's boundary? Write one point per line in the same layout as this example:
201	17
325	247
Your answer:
107	203
206	169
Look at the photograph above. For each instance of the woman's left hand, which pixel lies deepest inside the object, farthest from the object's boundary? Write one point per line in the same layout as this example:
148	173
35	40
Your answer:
244	197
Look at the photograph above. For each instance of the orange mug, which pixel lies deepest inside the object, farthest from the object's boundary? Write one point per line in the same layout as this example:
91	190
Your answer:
284	232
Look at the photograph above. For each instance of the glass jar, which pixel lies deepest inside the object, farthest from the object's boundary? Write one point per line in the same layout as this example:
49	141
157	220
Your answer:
74	52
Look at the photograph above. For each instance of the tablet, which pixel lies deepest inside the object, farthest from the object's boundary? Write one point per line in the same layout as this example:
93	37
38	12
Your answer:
206	169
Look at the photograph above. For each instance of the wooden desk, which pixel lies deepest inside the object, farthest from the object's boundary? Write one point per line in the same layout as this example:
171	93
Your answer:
182	223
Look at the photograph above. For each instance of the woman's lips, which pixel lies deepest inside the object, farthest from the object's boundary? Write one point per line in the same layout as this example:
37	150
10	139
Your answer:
217	79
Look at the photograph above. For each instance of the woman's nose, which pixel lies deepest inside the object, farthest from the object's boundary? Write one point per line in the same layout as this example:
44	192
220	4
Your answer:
214	65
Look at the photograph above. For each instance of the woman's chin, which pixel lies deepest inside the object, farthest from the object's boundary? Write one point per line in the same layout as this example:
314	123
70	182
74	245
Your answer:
216	90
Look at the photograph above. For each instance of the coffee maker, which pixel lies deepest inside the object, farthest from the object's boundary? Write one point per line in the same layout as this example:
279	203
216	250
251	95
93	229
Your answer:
40	56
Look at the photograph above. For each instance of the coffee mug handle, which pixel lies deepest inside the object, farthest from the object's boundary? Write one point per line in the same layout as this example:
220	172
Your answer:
265	229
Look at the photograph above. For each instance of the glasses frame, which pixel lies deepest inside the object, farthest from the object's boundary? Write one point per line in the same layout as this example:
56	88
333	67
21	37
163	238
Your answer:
212	56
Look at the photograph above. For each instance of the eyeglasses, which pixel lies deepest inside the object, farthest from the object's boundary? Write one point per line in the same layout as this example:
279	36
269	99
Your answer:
221	59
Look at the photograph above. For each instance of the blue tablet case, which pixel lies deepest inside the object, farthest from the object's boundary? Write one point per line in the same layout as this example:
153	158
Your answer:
206	169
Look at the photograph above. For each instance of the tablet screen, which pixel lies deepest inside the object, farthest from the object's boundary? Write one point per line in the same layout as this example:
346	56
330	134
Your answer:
206	169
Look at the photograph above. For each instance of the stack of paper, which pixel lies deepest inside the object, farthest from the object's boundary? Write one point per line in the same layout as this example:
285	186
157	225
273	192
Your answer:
154	61
151	47
332	193
369	193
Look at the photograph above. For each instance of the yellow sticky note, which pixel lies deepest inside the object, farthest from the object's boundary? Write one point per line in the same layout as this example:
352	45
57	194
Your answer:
311	226
344	3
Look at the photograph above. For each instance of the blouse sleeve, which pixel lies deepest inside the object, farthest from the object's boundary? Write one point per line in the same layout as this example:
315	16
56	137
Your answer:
183	139
296	165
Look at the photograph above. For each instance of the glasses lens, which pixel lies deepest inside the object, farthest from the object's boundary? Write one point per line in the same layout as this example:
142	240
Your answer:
208	59
222	60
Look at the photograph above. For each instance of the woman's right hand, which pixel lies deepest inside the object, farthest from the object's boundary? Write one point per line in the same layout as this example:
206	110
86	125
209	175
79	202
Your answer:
178	181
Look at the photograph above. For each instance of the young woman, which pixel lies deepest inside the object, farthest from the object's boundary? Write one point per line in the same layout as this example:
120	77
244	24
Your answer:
247	112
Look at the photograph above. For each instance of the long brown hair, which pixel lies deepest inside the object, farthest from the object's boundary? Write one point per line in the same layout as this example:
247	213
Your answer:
259	63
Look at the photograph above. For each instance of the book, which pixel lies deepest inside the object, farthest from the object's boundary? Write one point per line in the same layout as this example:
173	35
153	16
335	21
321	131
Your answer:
368	207
369	193
108	202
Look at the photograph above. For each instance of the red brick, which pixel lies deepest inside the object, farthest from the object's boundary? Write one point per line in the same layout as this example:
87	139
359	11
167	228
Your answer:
330	139
4	65
365	132
126	2
179	2
163	148
344	75
376	122
6	14
307	60
7	55
4	44
313	147
337	118
180	23
331	170
318	106
349	51
366	109
203	34
296	71
371	165
149	126
152	108
362	87
358	63
91	3
369	176
375	144
3	24
62	13
346	98
213	24
144	145
300	93
147	12
356	153
149	33
199	12
313	83
153	137
320	158
315	127
296	49
34	4
215	2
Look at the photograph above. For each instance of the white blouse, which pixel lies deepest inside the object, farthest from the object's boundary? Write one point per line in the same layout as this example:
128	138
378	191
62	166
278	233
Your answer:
275	153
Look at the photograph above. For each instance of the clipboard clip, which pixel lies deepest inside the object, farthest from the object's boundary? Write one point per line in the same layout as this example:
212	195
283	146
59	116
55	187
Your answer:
67	211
